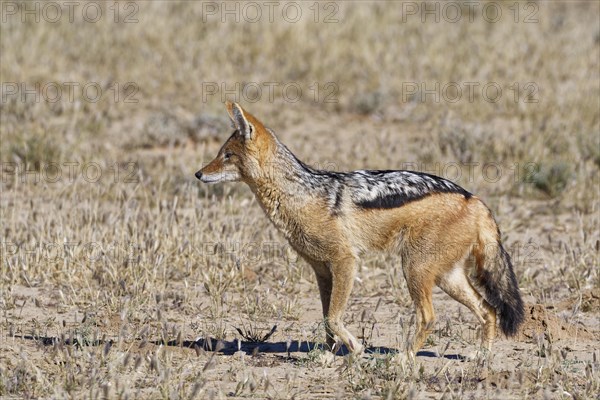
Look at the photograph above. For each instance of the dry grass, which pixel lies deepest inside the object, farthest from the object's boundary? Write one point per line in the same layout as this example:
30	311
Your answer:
142	283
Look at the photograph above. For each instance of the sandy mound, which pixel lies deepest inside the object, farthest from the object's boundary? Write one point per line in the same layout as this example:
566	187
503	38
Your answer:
538	321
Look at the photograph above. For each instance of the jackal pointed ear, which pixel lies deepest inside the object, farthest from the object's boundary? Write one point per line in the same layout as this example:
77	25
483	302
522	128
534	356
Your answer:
236	113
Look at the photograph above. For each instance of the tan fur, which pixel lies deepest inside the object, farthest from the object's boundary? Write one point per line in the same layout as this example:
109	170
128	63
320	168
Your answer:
440	237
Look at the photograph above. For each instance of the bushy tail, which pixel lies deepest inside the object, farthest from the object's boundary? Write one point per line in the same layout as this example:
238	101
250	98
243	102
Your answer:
496	275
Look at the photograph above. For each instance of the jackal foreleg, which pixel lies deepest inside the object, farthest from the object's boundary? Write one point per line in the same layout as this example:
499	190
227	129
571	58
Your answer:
342	274
325	280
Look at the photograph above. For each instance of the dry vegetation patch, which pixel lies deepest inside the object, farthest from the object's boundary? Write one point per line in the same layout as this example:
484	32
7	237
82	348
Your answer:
139	282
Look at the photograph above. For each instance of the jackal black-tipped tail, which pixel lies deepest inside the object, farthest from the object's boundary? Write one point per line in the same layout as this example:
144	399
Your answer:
497	277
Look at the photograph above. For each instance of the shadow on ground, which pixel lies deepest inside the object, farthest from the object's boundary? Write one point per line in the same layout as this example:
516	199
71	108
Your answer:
225	347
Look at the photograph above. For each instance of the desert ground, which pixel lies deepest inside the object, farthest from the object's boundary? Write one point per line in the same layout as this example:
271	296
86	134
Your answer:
122	276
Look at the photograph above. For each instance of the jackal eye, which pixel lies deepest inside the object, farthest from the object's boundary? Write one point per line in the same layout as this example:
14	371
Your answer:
227	156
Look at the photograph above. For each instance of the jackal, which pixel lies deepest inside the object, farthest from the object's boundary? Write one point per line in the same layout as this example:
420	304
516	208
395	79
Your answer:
445	235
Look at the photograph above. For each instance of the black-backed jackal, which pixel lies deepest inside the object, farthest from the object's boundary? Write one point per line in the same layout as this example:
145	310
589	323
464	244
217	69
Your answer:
445	235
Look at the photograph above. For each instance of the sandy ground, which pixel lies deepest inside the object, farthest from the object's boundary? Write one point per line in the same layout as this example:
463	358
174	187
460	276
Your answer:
160	342
285	365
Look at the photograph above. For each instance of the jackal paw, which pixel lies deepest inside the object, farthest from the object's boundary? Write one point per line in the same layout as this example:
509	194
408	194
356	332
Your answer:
402	358
357	349
325	358
479	354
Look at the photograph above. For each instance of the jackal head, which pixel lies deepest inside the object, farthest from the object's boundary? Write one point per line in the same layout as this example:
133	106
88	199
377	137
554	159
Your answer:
244	155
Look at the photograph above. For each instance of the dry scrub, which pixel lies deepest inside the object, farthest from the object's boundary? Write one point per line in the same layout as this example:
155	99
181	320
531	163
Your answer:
144	283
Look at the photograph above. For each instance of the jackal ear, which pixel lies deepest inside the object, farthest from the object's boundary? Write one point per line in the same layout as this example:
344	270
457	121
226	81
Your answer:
236	113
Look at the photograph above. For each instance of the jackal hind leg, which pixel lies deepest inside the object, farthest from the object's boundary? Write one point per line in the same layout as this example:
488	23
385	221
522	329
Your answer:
425	317
342	274
457	285
420	286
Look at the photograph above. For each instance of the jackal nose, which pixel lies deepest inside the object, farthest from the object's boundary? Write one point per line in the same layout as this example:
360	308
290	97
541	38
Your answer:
199	175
